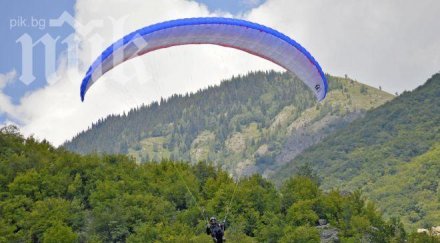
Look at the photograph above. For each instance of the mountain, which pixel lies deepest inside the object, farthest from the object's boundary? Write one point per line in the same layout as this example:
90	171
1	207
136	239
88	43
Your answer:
392	154
252	123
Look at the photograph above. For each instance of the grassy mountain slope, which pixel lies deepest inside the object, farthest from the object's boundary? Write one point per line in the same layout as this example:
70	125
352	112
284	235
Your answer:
252	123
392	150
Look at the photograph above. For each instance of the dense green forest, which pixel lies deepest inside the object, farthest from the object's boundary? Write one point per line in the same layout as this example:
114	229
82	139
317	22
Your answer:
392	154
48	194
252	123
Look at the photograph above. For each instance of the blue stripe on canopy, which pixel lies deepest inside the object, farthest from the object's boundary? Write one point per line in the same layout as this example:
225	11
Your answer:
240	34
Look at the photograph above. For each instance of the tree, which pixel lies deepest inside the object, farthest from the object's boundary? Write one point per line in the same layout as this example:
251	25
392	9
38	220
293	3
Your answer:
301	213
59	233
301	234
298	188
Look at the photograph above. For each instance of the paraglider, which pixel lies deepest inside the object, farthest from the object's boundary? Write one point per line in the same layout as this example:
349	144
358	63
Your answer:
250	37
216	230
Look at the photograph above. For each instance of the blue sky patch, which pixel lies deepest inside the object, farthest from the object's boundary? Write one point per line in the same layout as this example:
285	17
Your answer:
231	6
24	21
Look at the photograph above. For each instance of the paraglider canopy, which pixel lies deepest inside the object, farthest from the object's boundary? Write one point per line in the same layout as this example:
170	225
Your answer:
250	37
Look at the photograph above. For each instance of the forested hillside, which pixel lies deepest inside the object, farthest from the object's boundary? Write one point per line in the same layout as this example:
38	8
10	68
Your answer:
253	123
51	195
392	154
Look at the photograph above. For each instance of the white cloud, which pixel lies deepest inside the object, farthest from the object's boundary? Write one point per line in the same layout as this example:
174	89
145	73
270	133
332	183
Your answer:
391	43
6	106
6	78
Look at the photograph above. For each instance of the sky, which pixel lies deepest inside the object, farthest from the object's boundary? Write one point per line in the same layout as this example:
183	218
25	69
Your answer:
18	19
46	47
